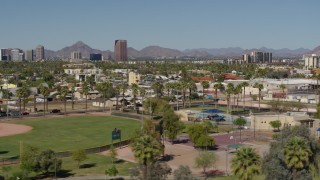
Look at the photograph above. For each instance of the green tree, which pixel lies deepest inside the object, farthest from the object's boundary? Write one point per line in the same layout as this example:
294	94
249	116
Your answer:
183	173
246	163
229	91
113	154
79	156
198	133
275	125
146	150
112	171
47	162
123	88
260	87
297	154
171	124
240	122
282	87
205	159
158	88
28	159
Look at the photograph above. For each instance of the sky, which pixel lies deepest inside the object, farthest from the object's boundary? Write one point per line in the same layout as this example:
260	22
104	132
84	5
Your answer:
177	24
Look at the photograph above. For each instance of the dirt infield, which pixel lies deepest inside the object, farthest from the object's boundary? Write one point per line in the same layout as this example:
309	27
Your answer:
7	129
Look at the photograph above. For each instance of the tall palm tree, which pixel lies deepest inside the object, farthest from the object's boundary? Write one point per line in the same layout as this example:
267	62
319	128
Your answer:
297	153
216	87
259	87
142	91
63	92
103	88
205	85
282	87
169	86
44	90
184	87
146	150
135	91
238	91
246	163
21	93
123	89
85	91
192	86
244	85
229	91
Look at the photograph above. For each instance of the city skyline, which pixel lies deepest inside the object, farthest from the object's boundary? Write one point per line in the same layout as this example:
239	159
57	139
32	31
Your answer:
191	24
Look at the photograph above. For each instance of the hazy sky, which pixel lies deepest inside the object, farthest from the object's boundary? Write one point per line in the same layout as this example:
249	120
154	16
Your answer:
179	24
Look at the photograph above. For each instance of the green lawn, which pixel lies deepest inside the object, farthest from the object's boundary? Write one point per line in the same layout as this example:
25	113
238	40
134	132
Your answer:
95	164
67	133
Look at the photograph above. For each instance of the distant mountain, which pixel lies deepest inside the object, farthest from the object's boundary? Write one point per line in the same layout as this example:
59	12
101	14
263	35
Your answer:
237	51
315	51
159	52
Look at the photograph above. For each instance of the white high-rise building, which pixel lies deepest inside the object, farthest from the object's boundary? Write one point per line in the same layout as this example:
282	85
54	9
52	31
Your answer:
311	61
76	55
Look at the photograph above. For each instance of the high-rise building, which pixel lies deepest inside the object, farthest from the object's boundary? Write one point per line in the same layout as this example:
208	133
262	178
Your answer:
39	52
76	55
120	50
17	55
95	57
311	61
28	54
5	54
257	57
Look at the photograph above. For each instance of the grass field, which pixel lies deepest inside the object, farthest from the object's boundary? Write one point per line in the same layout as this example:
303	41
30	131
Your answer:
67	133
95	164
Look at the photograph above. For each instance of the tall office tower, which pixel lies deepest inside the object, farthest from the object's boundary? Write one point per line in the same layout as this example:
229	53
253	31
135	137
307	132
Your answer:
16	55
28	54
76	55
120	50
39	52
4	54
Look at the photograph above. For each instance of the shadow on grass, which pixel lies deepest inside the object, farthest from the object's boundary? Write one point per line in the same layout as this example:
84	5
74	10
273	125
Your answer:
85	166
167	157
64	173
4	152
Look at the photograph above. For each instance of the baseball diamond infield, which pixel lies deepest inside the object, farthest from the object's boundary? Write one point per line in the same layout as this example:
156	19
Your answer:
7	129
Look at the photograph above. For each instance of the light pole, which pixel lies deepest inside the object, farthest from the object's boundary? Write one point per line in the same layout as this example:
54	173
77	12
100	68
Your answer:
150	110
227	151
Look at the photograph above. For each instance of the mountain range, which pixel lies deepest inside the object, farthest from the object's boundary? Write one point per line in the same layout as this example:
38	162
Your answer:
162	52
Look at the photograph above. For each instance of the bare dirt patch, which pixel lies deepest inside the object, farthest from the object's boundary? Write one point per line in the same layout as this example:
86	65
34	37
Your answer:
7	129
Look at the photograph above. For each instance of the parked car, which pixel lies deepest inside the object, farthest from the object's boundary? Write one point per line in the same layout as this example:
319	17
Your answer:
55	111
3	114
25	113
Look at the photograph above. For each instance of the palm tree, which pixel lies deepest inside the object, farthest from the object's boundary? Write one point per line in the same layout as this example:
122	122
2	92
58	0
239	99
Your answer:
85	91
216	87
282	87
297	153
260	87
22	93
63	92
184	87
135	91
103	88
146	150
142	91
192	86
157	87
246	163
44	90
229	91
244	85
205	85
238	91
168	87
123	89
